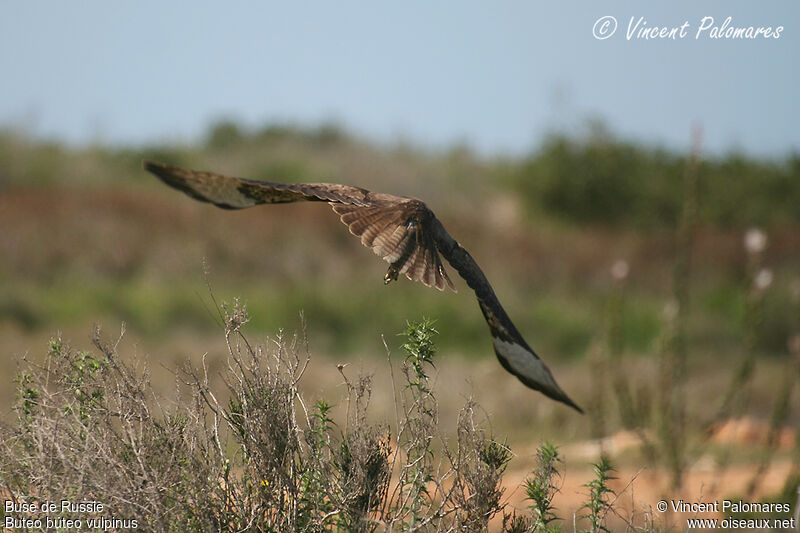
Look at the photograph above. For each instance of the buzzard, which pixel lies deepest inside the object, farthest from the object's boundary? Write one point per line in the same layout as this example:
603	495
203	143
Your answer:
401	230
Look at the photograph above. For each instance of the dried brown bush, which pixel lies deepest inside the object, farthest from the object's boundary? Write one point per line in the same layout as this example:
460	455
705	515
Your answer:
90	428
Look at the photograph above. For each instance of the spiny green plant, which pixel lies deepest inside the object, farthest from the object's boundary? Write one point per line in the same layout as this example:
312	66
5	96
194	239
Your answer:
420	351
415	436
599	503
541	488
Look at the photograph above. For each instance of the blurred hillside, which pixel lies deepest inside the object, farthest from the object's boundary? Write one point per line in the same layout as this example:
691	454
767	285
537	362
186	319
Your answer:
87	236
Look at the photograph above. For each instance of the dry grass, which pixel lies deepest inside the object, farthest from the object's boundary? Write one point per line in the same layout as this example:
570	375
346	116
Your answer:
90	427
250	450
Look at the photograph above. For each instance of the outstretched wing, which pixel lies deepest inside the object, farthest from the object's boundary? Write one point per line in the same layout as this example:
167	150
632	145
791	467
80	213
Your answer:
228	192
511	349
394	227
402	231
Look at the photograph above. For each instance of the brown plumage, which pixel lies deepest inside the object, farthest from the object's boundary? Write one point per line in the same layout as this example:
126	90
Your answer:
401	230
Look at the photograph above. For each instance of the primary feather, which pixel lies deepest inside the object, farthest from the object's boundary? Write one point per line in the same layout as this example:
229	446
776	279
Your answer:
400	230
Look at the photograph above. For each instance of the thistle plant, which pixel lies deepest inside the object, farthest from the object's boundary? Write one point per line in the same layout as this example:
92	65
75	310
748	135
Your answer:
599	503
541	488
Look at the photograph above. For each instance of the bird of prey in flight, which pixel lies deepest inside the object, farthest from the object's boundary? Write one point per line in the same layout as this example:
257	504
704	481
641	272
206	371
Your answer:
401	230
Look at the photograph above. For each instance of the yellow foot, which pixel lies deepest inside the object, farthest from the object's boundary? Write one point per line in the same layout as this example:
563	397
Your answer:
391	275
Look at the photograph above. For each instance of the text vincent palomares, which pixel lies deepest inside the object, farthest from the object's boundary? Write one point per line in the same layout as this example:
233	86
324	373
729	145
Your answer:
638	28
680	506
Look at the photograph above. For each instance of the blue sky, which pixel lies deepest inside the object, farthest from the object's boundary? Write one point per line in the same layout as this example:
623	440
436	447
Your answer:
496	75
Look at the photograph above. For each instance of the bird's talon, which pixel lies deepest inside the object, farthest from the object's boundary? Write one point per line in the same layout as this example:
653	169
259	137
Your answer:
391	275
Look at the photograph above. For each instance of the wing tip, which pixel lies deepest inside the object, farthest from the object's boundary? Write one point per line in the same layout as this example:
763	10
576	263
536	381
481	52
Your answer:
172	176
567	401
560	396
152	166
556	393
160	170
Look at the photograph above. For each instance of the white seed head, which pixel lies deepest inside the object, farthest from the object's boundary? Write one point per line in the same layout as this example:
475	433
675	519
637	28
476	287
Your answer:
755	241
763	279
619	270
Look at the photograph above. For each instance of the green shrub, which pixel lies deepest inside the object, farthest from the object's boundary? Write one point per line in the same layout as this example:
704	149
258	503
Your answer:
599	178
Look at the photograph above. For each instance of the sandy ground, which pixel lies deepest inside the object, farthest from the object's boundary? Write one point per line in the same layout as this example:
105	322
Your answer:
639	489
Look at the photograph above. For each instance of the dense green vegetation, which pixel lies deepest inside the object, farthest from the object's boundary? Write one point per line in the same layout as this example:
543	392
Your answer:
599	179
